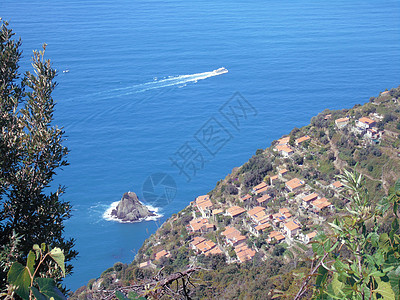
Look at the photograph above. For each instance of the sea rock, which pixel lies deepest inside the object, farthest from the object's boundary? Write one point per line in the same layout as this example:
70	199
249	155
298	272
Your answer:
130	209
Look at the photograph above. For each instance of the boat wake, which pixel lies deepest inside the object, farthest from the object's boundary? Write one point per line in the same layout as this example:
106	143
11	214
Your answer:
180	81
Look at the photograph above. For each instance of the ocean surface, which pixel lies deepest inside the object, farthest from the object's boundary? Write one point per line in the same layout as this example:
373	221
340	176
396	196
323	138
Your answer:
143	110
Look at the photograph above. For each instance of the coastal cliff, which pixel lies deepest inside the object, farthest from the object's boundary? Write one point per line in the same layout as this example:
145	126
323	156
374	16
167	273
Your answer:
251	234
130	209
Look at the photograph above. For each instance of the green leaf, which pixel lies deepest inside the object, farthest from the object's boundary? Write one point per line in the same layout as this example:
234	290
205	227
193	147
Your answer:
135	296
18	275
43	246
48	288
321	278
30	263
36	248
120	296
38	295
58	257
394	279
384	289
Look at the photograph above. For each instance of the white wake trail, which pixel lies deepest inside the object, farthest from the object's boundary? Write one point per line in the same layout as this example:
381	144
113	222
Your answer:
158	84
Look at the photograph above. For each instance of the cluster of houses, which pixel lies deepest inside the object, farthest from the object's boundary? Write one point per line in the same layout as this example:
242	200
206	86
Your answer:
283	147
364	126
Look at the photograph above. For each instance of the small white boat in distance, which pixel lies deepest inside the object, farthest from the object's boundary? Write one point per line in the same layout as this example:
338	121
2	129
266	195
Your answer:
221	71
66	71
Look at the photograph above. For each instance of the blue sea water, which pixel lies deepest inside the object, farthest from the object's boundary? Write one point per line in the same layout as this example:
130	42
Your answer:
288	60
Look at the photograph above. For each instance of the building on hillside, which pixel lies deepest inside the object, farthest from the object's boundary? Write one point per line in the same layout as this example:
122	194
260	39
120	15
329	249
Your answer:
291	228
203	246
328	117
365	123
275	235
311	197
161	254
282	173
273	179
259	187
294	185
245	198
284	150
301	140
257	230
233	236
342	122
306	238
263	200
284	140
235	211
201	225
320	204
337	185
147	265
204	205
244	253
285	213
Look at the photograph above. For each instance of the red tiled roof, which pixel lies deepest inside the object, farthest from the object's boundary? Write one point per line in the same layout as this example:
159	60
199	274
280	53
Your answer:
263	198
291	225
337	184
310	197
160	254
203	202
260	186
294	183
235	210
302	139
366	120
245	197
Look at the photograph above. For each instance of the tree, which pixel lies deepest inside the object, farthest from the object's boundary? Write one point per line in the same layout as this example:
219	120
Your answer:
360	259
31	151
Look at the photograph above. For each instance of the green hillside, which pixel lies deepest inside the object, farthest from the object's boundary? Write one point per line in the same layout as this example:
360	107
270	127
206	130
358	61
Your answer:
250	236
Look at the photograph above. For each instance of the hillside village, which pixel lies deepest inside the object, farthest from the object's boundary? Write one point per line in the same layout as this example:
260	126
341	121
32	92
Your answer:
266	212
291	203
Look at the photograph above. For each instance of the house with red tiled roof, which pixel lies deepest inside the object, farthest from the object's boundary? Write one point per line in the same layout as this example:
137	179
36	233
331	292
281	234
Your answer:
204	205
260	187
337	185
245	198
284	150
233	236
275	235
217	211
201	225
320	204
161	254
259	229
306	238
257	215
285	213
273	179
284	140
277	219
204	247
311	197
365	123
235	211
244	253
342	122
282	173
291	228
294	185
263	200
147	265
301	140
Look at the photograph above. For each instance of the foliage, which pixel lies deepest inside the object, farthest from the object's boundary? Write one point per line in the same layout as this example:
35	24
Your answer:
31	151
24	280
356	261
